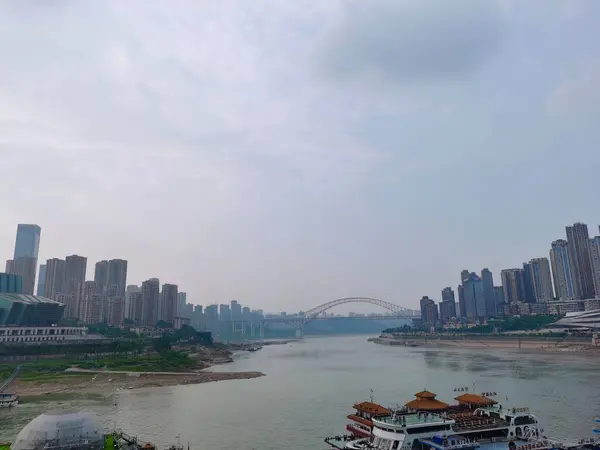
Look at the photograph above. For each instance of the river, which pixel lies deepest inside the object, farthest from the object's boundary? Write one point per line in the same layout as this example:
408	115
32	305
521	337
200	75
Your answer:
311	385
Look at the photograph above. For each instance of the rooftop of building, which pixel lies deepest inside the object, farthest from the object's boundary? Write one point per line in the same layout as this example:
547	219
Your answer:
26	299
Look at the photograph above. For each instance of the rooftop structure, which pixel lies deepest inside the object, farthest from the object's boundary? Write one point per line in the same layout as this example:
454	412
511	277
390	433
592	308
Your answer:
426	401
21	310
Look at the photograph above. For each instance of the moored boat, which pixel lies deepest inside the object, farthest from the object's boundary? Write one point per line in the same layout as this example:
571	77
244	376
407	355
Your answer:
361	421
474	422
8	400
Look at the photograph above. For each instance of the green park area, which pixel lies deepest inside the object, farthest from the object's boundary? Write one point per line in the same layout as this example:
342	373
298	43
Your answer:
132	355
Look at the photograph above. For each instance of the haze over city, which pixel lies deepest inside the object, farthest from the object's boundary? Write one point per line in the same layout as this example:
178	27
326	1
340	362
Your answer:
289	153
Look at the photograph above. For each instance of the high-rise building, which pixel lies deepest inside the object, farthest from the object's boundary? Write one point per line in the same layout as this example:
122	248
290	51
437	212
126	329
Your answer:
488	292
136	305
9	266
75	268
24	262
28	241
55	277
541	280
236	310
25	266
448	295
429	311
579	247
129	304
168	301
474	296
562	271
462	308
595	262
115	310
150	302
89	304
528	284
117	277
224	312
181	304
41	280
513	285
447	306
499	300
101	275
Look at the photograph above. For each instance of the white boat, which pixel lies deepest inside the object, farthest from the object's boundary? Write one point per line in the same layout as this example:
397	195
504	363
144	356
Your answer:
475	423
9	400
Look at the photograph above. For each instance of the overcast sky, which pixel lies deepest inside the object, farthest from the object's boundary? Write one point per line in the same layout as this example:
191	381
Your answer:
287	153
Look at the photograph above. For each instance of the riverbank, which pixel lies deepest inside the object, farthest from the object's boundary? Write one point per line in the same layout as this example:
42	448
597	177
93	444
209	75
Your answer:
98	378
101	384
551	345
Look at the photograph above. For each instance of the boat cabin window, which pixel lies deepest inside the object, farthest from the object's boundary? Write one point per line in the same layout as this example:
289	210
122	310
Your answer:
431	429
395	445
524	420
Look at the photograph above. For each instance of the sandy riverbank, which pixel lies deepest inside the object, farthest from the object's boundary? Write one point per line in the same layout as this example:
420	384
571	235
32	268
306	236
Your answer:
107	383
542	345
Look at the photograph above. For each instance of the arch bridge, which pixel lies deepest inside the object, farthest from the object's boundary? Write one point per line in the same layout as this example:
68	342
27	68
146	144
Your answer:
299	321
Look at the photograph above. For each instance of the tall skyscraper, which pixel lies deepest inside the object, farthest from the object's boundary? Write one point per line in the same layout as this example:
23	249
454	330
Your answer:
488	292
117	276
150	302
513	285
579	246
55	277
28	241
236	310
75	268
528	284
168	300
474	297
565	285
24	262
101	275
541	280
429	311
41	280
595	260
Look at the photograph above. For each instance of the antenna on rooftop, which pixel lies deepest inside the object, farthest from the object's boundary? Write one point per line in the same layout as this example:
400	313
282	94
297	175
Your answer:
371	398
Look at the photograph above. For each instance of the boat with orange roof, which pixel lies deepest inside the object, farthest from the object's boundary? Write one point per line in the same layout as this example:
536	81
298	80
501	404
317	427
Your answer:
475	422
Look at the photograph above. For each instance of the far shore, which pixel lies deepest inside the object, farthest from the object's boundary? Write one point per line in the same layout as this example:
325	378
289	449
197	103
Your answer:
513	342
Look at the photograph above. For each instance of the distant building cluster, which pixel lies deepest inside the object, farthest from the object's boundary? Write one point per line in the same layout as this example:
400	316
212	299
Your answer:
567	281
63	292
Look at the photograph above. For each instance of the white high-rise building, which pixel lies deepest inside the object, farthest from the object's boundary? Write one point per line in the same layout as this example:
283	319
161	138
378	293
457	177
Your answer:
181	302
129	304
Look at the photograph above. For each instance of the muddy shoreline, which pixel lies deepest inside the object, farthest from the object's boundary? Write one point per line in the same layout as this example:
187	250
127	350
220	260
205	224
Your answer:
541	345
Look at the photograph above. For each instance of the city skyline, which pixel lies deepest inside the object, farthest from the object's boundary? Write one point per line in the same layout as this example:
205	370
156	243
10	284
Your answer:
328	151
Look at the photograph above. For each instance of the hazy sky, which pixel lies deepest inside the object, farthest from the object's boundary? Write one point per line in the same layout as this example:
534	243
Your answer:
287	153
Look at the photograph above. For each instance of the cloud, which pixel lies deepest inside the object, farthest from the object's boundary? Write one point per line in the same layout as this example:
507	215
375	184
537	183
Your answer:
412	40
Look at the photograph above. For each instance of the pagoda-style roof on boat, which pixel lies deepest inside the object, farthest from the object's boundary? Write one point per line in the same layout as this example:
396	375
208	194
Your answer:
372	408
426	401
425	394
474	400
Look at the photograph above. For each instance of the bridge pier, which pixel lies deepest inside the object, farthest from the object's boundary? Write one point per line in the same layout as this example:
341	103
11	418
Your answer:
261	330
299	333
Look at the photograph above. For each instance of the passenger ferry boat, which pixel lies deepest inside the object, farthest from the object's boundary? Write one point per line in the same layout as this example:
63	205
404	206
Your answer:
361	421
8	400
475	422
